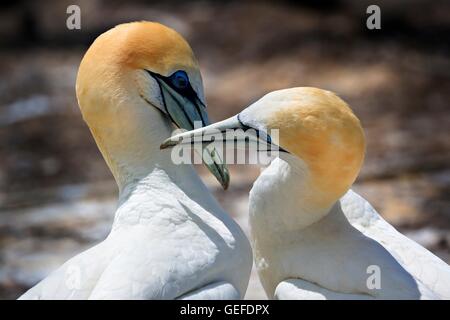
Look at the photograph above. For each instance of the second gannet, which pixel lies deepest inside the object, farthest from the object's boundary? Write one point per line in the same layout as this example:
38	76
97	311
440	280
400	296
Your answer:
170	238
312	237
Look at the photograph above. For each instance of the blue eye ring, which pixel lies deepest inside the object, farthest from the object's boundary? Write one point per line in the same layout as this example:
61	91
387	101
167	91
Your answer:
180	80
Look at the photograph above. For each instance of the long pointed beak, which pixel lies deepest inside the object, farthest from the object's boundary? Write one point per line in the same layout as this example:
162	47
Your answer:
185	112
204	134
219	132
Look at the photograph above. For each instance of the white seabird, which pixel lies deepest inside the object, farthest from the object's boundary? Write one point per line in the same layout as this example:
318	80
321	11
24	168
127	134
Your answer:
170	238
312	237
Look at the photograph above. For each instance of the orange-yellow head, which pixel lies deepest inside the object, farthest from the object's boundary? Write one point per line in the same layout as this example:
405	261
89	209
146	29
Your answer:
133	82
319	128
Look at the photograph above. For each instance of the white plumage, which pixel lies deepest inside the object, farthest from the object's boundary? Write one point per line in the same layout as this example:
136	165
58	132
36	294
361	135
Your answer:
331	258
170	238
312	237
168	241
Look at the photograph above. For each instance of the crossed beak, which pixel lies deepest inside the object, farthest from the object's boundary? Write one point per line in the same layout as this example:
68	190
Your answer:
218	132
185	109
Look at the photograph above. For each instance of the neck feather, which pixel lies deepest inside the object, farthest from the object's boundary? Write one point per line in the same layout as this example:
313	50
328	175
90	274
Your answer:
129	140
286	192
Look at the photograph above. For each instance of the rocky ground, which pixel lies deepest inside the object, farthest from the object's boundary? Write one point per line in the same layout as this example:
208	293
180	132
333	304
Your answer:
56	194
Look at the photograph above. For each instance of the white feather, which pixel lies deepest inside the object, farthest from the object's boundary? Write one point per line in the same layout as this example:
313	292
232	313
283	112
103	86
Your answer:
331	257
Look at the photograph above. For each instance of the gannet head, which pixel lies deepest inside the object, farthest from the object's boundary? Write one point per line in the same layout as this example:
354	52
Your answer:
319	128
129	72
315	126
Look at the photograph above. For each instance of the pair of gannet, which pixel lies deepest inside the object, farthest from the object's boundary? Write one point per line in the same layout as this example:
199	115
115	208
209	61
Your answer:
170	238
312	237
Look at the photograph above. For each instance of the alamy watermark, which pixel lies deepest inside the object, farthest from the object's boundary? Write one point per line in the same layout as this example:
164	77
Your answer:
373	281
235	146
374	20
73	21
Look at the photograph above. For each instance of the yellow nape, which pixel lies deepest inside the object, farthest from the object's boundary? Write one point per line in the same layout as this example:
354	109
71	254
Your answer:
321	129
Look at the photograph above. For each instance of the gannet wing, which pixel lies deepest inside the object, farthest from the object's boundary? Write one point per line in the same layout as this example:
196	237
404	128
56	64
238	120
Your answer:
75	279
214	291
145	266
418	261
299	289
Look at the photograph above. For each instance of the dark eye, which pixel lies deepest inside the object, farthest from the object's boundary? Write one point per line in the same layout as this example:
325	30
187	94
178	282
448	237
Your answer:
180	80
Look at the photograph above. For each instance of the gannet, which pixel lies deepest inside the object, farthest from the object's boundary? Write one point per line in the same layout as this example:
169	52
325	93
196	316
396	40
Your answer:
313	237
170	238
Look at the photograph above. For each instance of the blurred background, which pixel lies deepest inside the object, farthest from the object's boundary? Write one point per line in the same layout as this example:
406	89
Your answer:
57	196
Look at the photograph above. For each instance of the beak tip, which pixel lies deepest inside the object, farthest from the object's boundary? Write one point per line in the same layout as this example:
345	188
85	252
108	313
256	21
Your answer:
167	144
226	181
225	184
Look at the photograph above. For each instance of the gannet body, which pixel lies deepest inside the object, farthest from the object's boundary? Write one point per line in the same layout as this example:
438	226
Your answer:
170	238
312	237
